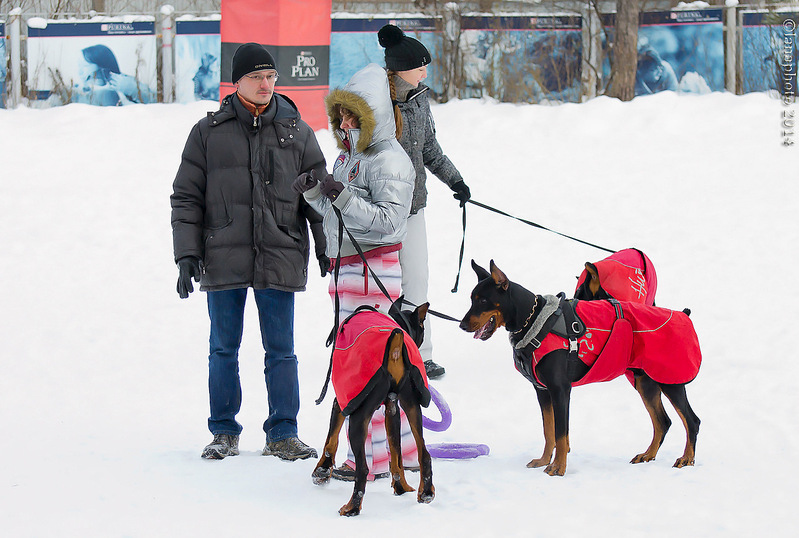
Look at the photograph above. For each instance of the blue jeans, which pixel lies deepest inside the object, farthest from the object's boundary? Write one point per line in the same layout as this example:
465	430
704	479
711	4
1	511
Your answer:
276	316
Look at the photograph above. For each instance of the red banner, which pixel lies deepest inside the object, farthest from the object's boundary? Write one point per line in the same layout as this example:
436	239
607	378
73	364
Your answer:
297	34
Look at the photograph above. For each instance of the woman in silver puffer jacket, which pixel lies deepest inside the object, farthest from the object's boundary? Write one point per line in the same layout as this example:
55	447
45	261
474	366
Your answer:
371	187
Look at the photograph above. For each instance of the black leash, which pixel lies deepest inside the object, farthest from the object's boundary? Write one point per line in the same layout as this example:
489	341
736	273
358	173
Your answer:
533	224
377	280
331	338
529	223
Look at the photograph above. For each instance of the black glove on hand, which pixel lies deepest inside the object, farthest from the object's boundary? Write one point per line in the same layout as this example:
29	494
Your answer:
462	193
304	182
188	268
331	188
324	264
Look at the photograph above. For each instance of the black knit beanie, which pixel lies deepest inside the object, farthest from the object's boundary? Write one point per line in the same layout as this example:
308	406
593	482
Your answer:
403	53
250	57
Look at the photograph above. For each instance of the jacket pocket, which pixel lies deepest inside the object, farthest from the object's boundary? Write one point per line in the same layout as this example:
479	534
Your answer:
288	221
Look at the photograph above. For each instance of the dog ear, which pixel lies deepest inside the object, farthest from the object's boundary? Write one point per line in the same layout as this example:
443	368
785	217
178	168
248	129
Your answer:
499	277
421	312
482	274
593	284
396	306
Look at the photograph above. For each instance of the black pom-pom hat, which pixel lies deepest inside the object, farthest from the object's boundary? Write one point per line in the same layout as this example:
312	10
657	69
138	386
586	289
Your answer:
403	52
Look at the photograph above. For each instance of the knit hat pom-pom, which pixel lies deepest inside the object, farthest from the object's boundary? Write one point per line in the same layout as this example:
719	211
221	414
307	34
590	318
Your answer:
389	36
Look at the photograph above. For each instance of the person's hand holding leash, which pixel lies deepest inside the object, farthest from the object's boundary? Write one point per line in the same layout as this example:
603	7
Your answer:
331	188
188	268
304	182
462	193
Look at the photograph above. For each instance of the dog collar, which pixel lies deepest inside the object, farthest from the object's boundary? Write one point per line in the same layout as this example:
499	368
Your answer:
535	305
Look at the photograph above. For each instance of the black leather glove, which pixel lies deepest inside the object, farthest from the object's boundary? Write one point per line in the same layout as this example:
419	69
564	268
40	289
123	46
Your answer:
462	193
330	187
304	182
324	264
188	268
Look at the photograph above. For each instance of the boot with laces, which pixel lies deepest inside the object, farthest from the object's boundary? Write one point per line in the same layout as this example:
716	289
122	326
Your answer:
290	448
433	370
222	446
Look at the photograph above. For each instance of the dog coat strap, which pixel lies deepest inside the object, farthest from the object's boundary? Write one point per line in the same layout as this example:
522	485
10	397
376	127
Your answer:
617	305
525	366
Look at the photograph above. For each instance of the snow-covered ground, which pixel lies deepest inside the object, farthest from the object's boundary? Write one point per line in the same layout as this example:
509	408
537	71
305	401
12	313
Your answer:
103	396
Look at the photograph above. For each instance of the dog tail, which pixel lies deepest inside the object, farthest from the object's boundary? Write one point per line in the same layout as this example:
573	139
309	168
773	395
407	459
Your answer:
686	311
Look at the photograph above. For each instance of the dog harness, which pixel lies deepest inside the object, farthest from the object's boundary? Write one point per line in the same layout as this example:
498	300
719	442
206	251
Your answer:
617	337
359	355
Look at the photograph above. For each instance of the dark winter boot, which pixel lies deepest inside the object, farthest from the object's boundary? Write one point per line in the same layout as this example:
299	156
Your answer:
222	446
290	449
432	369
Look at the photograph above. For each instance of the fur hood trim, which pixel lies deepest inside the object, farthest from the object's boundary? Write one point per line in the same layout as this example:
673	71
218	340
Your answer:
367	95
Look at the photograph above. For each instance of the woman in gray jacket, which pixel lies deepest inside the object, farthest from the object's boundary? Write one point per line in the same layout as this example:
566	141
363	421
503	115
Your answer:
406	63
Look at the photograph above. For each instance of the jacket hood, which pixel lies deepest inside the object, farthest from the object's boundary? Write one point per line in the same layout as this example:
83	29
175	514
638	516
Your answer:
368	96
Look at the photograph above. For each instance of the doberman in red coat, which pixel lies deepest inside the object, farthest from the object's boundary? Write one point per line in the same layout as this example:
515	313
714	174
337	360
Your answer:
376	361
555	348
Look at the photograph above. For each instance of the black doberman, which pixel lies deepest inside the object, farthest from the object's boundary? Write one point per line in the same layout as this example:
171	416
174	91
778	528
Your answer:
496	301
390	385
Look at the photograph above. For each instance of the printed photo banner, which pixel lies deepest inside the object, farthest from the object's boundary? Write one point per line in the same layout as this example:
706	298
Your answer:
769	51
297	34
197	60
3	68
680	51
353	45
522	58
98	63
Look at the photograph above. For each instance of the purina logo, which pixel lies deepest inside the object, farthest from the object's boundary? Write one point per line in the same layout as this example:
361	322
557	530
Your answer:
691	16
117	27
305	67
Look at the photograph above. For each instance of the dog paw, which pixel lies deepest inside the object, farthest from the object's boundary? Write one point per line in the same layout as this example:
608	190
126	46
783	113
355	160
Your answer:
349	511
683	462
399	485
321	476
555	470
538	462
426	497
642	458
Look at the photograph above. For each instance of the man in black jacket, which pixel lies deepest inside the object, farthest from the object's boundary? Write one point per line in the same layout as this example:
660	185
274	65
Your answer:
237	224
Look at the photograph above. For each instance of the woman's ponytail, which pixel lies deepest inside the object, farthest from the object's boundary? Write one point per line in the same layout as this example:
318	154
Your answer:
397	113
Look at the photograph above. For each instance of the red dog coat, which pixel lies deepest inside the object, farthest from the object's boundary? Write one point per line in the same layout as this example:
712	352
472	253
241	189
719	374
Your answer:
627	275
358	359
661	342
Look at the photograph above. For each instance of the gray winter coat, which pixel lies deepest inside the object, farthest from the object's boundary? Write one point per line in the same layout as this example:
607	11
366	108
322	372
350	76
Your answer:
232	202
375	170
419	141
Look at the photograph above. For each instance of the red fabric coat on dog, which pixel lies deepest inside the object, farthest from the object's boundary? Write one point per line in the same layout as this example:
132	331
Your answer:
627	275
661	342
358	357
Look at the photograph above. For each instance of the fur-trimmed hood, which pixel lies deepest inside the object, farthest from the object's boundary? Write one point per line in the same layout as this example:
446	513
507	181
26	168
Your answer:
367	95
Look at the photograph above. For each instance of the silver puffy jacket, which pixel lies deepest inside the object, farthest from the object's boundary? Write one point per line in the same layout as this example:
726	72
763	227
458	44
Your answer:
377	173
